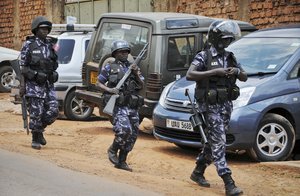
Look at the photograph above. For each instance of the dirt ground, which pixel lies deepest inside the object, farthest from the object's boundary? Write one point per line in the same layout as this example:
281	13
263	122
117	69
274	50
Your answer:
158	166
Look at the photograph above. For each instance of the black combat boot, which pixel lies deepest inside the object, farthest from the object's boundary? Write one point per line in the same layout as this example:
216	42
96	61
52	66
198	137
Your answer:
41	138
112	153
35	141
198	175
122	161
230	187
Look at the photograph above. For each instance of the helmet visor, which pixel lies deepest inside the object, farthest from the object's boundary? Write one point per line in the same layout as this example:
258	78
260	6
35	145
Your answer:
119	45
44	25
229	29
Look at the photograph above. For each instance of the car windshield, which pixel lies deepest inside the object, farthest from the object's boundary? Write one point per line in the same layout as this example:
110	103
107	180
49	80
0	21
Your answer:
263	55
136	36
65	50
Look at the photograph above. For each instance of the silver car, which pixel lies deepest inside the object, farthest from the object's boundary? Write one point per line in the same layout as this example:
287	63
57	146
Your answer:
266	117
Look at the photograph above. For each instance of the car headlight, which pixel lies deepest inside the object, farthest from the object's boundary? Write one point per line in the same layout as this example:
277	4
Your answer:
164	94
245	95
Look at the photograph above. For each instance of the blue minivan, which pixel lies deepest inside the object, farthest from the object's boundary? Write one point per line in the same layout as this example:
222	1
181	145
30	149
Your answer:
266	117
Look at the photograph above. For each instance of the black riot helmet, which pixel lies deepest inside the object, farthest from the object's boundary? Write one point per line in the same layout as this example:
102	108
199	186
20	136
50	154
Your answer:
40	21
222	32
119	45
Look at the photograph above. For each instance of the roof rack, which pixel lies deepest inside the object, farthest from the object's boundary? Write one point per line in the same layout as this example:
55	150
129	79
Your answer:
61	28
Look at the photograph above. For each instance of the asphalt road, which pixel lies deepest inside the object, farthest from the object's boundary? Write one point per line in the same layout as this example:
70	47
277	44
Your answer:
22	175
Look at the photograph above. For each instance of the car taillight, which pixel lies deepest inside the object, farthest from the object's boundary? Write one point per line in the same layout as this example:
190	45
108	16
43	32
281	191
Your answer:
154	86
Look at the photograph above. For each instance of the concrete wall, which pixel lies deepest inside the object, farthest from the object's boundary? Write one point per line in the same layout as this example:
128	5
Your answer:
89	12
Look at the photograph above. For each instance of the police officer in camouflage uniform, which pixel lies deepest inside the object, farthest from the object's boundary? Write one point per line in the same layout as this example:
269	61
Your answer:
215	71
125	115
38	64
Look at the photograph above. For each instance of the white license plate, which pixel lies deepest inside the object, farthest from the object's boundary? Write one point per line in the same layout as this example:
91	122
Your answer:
176	124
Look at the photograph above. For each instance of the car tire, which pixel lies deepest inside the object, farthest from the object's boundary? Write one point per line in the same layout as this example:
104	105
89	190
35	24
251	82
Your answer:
76	109
6	78
275	139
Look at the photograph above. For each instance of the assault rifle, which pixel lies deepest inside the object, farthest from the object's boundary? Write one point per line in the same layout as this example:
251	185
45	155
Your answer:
109	108
196	119
16	67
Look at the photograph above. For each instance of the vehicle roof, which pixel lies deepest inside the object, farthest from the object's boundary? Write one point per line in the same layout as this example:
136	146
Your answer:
158	20
280	32
72	35
75	34
150	16
59	28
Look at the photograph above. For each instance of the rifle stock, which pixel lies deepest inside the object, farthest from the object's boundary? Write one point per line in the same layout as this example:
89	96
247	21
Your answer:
109	107
196	120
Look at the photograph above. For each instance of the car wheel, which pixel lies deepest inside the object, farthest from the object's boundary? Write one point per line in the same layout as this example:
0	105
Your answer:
76	109
275	139
6	78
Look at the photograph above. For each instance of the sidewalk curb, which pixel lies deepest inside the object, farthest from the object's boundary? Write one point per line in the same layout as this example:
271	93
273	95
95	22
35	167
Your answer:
284	163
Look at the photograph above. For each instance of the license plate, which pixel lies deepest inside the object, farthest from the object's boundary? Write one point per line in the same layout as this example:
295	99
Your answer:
93	77
176	124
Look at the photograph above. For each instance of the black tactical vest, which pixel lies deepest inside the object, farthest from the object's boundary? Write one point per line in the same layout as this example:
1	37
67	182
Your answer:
217	89
128	95
39	62
116	74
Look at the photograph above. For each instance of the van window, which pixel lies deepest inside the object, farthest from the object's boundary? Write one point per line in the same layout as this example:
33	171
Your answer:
180	52
65	50
136	36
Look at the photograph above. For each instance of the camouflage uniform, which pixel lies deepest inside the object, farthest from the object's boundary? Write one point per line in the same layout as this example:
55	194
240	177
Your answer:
125	120
42	103
215	71
217	119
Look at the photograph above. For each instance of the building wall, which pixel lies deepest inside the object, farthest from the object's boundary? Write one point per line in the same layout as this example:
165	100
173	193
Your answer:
89	12
274	13
261	13
16	16
6	23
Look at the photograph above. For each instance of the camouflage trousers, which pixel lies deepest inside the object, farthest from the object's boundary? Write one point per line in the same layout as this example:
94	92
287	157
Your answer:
217	120
43	112
126	127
